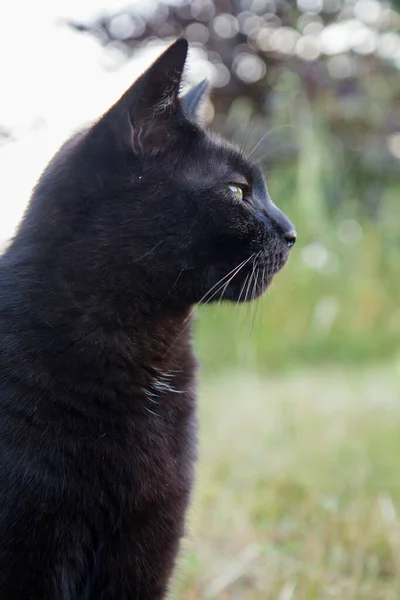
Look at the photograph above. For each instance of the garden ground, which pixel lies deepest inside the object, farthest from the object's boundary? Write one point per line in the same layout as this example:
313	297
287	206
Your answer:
297	488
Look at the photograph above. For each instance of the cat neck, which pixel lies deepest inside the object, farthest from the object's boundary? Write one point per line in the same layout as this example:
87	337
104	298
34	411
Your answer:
75	307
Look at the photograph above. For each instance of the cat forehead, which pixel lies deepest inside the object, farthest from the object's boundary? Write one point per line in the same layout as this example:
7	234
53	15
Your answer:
227	157
211	160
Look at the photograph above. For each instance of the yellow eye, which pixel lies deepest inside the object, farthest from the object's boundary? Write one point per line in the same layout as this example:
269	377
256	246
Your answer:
236	190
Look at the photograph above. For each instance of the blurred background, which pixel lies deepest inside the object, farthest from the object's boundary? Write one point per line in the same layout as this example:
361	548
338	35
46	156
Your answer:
298	490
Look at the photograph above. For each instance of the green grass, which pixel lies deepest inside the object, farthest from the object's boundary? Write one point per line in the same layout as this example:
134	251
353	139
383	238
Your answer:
298	488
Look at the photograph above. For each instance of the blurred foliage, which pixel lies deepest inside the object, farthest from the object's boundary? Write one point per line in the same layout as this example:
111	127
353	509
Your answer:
312	89
265	57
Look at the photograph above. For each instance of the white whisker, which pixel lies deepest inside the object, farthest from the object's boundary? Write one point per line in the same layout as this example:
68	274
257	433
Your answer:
267	134
217	285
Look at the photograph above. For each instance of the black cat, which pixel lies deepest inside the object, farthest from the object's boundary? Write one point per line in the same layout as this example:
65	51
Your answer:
135	220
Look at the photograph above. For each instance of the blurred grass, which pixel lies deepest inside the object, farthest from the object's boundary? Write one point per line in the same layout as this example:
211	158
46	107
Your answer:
297	486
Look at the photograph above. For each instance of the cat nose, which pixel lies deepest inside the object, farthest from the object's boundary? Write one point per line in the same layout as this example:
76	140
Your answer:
290	237
283	226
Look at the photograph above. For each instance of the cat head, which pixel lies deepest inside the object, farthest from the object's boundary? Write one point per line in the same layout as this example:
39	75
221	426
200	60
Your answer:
160	203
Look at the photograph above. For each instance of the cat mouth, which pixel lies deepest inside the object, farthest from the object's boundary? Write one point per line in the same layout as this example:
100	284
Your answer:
249	280
272	265
259	276
280	261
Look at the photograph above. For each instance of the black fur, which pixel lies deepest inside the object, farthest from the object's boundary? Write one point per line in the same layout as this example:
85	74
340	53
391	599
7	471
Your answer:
131	224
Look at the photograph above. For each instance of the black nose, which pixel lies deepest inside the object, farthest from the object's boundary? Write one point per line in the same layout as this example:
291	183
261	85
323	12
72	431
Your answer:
282	225
290	237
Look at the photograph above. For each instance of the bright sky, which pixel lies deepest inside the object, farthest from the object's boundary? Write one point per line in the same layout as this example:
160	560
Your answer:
52	82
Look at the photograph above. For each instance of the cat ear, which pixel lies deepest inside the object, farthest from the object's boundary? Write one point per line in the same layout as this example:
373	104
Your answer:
146	111
193	101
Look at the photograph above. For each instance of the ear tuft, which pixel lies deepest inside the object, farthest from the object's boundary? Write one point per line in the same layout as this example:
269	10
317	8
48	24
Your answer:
193	101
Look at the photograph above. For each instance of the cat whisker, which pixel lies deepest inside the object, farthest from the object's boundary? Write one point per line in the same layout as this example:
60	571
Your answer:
151	411
282	146
266	135
247	292
220	283
245	137
247	295
253	297
150	396
249	285
260	300
249	132
172	287
236	269
241	292
226	285
164	386
148	252
203	300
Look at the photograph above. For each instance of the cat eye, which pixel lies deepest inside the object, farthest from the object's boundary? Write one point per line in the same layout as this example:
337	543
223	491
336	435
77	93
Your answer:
237	190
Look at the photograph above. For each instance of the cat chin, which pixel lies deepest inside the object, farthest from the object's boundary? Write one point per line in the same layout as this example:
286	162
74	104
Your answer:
261	288
262	284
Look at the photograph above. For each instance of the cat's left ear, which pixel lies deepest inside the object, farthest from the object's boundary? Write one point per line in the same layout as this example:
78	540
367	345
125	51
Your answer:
192	103
145	113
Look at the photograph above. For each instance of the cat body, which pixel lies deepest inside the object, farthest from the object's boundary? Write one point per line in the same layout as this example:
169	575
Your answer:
97	453
134	221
